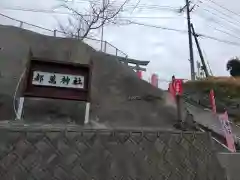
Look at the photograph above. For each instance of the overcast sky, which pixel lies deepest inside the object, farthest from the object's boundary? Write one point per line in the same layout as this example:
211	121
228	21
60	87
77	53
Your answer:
167	50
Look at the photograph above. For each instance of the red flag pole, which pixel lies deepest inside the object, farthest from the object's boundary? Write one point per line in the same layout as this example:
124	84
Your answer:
212	101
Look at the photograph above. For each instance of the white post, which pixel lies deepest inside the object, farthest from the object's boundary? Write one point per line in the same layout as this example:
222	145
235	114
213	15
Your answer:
87	113
20	108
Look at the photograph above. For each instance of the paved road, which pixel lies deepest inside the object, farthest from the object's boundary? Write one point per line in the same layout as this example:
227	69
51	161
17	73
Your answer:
208	119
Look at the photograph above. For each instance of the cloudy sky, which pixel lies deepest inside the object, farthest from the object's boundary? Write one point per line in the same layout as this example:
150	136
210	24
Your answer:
167	50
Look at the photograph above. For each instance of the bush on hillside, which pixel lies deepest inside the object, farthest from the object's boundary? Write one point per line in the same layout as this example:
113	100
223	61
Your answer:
226	87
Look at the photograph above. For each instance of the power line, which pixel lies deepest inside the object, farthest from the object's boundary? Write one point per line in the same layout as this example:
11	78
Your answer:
222	31
219	5
219	23
142	24
225	17
158	27
224	14
68	13
232	35
128	4
140	6
184	31
219	40
233	23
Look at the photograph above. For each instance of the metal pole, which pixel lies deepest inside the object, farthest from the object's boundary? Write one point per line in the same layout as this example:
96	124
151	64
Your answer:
190	42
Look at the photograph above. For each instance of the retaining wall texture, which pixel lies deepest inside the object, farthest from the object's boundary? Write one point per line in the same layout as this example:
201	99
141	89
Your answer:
112	84
230	162
40	154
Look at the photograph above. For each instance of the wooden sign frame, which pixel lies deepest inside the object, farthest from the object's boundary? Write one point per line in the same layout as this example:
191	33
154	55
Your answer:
54	92
46	78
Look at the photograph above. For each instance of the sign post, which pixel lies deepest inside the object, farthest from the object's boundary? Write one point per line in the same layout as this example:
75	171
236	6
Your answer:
57	80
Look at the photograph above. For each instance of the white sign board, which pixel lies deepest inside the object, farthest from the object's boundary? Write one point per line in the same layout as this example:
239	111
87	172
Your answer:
57	80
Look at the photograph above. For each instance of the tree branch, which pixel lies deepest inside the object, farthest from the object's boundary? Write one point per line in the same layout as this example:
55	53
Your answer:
96	17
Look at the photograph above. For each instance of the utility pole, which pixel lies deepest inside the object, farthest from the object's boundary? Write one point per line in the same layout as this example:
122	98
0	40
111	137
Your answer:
200	52
190	41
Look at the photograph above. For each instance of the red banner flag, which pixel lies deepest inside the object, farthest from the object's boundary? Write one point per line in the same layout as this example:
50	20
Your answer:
178	86
154	80
139	73
227	131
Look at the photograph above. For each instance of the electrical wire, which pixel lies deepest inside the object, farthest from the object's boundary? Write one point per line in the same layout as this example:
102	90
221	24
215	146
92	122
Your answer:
222	13
219	40
221	6
140	6
158	27
233	30
148	25
68	13
222	31
184	31
227	20
128	4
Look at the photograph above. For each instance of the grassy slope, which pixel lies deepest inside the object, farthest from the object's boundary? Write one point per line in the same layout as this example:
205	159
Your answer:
227	92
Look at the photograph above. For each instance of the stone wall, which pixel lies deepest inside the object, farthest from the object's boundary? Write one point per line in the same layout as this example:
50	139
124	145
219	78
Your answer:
73	153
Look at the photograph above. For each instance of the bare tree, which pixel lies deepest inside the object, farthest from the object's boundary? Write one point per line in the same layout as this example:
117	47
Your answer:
81	24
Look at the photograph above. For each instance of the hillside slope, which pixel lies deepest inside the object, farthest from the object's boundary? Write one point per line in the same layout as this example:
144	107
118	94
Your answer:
112	84
226	89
